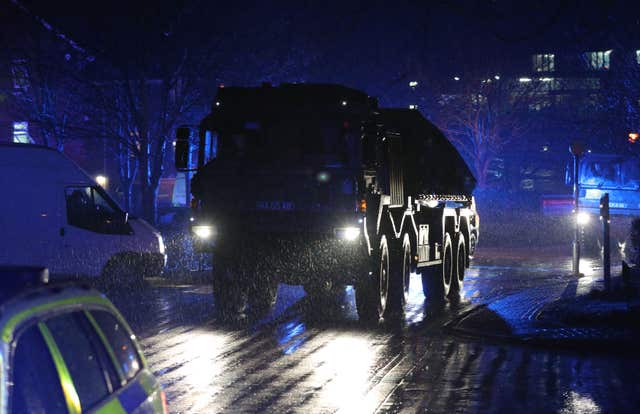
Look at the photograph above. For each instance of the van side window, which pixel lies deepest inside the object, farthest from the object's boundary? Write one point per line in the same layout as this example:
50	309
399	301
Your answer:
120	340
36	387
88	208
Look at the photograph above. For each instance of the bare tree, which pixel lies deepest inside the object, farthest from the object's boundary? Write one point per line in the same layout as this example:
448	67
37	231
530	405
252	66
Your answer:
145	91
43	66
481	115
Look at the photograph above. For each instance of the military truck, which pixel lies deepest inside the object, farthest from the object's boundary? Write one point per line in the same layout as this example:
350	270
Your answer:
316	185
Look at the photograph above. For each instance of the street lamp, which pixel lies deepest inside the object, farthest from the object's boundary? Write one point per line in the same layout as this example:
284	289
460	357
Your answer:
101	180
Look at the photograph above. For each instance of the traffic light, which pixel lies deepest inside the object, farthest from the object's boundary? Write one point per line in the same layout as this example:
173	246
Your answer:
633	137
604	207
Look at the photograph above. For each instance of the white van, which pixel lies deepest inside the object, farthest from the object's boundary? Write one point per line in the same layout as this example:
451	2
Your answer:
53	214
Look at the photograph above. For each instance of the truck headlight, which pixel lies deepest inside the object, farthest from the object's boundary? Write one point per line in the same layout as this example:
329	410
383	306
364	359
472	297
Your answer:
203	232
347	233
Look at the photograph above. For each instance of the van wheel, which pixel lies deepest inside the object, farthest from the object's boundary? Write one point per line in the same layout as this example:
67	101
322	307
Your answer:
123	271
372	291
400	276
436	280
459	266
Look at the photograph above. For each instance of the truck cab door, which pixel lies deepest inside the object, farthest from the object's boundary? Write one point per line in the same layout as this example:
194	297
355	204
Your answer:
394	168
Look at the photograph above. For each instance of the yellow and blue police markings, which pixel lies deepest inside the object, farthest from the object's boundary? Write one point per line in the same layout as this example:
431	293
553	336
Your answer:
142	394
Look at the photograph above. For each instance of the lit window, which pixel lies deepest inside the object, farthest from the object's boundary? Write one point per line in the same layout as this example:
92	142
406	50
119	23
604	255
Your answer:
543	62
21	133
599	60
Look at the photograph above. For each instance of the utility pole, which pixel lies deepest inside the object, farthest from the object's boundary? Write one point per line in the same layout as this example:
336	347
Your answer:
577	149
606	254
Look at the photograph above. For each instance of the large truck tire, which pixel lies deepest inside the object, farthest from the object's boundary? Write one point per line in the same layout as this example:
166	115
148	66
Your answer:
459	266
366	300
473	243
323	293
400	276
436	280
372	291
229	298
325	299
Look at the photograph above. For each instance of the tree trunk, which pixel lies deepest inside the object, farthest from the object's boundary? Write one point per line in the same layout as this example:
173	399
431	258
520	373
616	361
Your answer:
150	203
128	170
149	185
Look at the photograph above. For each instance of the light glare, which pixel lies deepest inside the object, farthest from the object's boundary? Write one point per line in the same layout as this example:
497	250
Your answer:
582	218
203	232
348	233
101	180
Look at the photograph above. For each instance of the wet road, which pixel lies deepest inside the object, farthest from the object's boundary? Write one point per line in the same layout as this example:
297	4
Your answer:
300	358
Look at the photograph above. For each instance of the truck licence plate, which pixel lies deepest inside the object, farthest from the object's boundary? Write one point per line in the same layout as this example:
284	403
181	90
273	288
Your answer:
274	205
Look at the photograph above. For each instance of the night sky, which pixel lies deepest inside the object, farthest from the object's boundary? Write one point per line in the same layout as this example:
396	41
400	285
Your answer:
372	45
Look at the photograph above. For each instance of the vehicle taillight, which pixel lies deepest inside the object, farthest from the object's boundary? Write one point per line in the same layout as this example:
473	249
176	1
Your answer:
363	206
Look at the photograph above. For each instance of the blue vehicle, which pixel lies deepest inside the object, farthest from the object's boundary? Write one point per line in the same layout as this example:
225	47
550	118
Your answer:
617	175
614	174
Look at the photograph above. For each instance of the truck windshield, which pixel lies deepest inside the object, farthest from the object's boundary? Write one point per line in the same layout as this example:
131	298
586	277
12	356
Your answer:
288	140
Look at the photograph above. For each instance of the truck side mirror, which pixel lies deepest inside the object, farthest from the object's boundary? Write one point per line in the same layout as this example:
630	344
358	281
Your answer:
183	133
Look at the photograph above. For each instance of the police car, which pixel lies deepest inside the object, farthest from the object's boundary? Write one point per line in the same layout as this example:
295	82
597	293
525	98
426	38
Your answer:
67	349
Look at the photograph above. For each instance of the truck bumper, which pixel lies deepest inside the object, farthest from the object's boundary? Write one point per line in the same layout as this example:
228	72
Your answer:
302	260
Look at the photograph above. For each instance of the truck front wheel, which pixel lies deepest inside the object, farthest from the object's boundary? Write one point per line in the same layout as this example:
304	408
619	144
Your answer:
262	294
436	280
229	297
372	290
400	276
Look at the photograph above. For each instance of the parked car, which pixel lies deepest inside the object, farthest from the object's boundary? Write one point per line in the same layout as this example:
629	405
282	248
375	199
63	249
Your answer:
54	215
67	349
